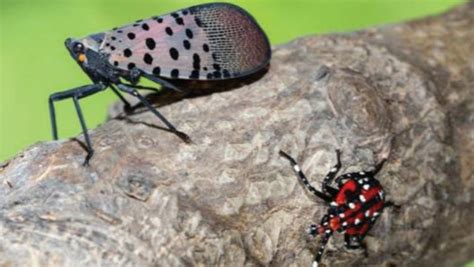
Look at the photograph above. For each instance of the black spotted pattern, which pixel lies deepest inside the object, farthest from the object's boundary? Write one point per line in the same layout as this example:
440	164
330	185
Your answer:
198	21
175	73
127	52
194	74
131	66
150	43
205	47
174	53
169	31
189	33
186	44
226	73
196	61
131	35
148	59
145	27
156	71
217	74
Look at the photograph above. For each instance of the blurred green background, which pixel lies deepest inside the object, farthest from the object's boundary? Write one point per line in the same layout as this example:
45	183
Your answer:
35	63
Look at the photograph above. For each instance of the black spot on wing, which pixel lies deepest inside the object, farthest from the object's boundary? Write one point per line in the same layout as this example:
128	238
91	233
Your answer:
175	73
217	74
196	61
174	53
186	44
130	66
131	35
169	31
226	74
150	43
156	71
194	74
189	33
145	27
127	52
148	59
198	21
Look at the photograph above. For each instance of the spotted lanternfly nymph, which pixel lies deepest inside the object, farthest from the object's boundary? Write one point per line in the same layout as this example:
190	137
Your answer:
215	41
353	207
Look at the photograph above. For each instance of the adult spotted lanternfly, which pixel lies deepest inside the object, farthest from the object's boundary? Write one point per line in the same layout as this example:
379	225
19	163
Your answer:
353	208
214	41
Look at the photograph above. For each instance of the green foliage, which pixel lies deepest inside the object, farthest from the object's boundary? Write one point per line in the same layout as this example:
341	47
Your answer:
34	62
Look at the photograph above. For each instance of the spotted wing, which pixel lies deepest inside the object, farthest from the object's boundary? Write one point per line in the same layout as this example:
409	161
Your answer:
204	42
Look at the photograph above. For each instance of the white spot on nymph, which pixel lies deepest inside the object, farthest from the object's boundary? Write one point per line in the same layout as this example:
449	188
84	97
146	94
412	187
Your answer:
328	231
330	216
344	224
362	173
352	205
366	179
357	221
333	169
325	223
366	187
342	215
361	181
297	168
362	198
315	264
333	203
367	213
376	214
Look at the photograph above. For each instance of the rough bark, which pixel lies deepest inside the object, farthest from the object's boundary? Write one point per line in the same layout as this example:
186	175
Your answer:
148	199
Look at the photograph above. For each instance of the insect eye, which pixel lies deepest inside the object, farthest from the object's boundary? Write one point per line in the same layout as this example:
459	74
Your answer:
78	48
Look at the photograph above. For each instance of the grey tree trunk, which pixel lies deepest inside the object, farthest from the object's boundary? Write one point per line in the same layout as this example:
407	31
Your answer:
403	91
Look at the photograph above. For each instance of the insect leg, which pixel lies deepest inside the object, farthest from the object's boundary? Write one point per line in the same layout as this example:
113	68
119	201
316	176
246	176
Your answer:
147	104
319	254
162	82
303	178
390	204
378	167
76	94
82	91
156	90
360	243
330	176
126	105
90	151
52	116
